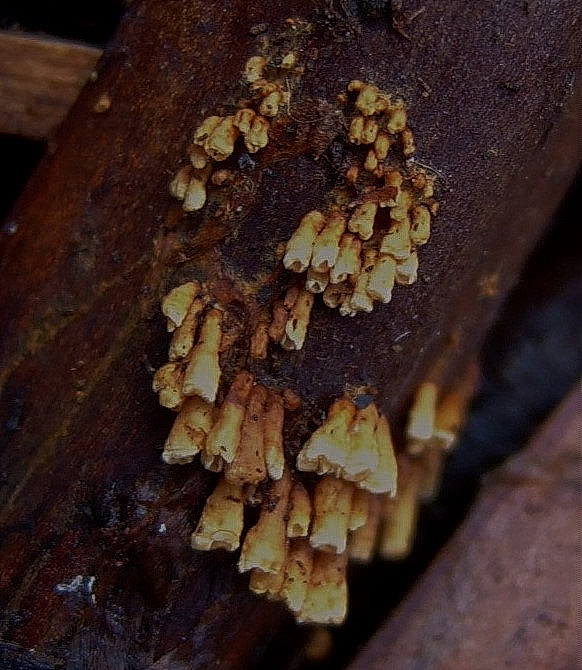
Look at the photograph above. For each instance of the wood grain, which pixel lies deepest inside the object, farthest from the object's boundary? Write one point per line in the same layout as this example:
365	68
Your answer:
40	79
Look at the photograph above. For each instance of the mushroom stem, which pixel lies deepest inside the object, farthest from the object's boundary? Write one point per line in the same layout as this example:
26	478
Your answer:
203	372
224	437
326	600
332	504
188	434
265	544
248	465
221	523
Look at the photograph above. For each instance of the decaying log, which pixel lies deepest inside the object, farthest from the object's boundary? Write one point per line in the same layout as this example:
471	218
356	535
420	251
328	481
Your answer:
40	79
96	569
503	586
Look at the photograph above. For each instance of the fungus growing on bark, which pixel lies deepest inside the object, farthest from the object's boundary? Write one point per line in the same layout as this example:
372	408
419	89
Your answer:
355	251
221	523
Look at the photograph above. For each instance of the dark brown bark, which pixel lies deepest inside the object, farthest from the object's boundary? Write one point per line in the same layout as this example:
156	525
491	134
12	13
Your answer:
95	239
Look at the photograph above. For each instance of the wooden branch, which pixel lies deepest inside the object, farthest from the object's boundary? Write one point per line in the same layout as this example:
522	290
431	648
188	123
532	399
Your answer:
503	585
96	568
40	79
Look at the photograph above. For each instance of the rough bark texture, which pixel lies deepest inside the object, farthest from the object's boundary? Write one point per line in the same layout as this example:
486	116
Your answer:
95	565
473	609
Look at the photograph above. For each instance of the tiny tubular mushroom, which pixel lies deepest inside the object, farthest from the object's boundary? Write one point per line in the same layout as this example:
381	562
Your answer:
188	434
167	383
326	600
371	162
210	462
332	504
265	544
382	145
363	454
396	242
257	136
260	341
348	261
270	103
396	117
297	574
180	182
451	410
276	328
381	280
356	130
296	326
203	371
299	512
326	245
384	478
366	100
220	142
401	513
393	187
360	300
223	438
273	435
420	226
268	584
176	303
330	441
421	416
254	68
183	337
316	282
407	139
334	294
299	248
248	465
369	131
198	157
288	61
407	270
221	523
362	541
195	194
360	509
362	220
205	129
243	119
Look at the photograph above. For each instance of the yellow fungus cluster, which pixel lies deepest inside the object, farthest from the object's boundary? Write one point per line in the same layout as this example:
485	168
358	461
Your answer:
355	254
433	427
364	499
216	137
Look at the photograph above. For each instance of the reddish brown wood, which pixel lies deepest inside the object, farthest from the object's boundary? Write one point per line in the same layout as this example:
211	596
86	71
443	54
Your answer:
95	239
502	593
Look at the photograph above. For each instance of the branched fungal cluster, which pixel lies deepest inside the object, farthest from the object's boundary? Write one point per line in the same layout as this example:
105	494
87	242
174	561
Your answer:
216	137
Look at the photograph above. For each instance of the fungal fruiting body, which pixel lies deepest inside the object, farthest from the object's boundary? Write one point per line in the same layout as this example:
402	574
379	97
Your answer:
360	498
348	493
354	254
216	137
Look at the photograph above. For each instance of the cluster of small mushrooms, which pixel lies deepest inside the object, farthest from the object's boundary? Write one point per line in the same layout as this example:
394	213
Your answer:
361	498
357	498
215	138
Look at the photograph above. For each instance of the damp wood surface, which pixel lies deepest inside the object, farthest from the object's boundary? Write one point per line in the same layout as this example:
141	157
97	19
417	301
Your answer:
96	569
40	78
502	593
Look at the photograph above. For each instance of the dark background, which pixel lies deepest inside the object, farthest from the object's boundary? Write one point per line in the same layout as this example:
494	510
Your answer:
532	357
